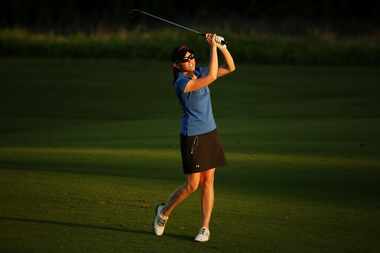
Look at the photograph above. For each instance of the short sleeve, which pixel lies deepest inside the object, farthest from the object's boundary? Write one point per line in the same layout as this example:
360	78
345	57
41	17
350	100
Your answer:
181	83
204	71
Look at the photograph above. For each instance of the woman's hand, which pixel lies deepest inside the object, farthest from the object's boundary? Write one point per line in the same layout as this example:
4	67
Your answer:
210	37
221	46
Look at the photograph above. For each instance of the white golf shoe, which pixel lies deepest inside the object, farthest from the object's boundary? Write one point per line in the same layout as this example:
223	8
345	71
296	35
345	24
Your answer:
203	235
159	221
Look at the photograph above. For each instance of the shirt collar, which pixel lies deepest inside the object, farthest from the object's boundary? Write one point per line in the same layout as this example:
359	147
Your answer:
197	72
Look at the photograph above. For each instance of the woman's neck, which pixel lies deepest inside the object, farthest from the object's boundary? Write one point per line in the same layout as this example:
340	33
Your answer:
190	74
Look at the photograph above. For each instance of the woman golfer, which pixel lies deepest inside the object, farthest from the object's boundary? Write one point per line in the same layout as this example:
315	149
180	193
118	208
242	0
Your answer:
201	149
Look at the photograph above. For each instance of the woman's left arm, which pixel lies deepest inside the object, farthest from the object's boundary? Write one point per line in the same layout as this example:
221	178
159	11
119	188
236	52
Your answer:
229	65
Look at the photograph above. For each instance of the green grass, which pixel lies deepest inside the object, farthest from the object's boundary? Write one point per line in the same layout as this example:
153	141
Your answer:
88	147
312	48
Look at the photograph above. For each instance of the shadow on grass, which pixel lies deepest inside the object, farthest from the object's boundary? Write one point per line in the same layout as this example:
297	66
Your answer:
91	226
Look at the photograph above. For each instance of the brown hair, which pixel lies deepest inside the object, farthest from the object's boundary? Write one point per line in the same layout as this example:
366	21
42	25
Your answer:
177	55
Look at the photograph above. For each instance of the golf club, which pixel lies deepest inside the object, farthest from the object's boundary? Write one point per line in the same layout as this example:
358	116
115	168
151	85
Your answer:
219	39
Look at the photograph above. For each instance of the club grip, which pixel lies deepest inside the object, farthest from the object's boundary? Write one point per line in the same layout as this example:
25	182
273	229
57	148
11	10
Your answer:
220	40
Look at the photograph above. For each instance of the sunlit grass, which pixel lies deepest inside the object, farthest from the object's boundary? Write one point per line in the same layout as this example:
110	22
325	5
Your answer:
314	47
83	155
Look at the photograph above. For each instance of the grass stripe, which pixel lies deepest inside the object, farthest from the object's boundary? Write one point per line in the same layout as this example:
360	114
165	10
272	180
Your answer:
15	153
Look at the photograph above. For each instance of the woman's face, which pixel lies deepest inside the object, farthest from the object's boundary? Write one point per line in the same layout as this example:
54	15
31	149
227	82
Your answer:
187	64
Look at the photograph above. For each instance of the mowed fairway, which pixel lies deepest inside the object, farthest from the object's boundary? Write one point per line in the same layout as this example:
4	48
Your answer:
88	147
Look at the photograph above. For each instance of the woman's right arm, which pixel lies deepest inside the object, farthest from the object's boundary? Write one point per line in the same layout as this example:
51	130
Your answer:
204	81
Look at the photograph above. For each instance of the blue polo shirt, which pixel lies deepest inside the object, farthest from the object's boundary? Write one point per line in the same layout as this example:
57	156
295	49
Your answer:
197	115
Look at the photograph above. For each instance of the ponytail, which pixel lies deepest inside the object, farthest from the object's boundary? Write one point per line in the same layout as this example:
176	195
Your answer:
175	72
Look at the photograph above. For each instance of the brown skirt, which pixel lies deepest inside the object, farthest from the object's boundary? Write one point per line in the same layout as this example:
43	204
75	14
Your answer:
201	152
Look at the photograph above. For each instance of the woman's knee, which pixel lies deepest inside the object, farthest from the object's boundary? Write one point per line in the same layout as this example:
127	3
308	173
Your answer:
192	184
207	178
191	187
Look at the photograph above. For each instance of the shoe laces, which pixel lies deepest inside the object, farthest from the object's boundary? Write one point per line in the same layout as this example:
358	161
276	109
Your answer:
161	222
203	231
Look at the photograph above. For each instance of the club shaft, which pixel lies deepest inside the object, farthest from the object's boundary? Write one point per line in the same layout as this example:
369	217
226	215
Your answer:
169	22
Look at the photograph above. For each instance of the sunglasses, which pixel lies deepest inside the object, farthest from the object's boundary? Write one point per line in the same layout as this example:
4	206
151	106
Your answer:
186	59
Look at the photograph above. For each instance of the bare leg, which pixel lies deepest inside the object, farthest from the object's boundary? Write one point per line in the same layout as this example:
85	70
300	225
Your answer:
184	191
207	184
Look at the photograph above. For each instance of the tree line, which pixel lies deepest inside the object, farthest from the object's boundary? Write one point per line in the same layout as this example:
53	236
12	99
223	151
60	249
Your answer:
89	14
